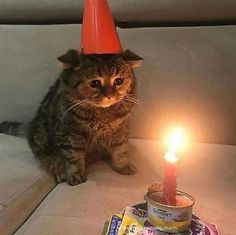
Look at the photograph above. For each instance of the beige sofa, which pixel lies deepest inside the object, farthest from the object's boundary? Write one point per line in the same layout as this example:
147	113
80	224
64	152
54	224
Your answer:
187	78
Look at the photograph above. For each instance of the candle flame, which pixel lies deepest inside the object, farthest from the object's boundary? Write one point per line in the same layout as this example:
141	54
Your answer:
171	157
175	142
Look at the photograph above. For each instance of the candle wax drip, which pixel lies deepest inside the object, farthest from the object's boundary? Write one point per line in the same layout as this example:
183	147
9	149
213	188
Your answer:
169	185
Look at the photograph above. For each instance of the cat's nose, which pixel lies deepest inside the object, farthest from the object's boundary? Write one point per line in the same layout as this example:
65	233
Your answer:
108	92
108	96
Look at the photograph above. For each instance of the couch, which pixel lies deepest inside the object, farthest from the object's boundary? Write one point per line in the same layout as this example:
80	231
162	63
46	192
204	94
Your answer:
187	78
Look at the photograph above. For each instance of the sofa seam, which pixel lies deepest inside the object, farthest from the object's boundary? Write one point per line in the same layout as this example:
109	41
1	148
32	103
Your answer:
14	195
53	192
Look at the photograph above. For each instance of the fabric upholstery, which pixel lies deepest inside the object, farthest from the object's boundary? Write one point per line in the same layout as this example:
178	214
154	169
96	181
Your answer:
34	11
187	77
22	183
206	171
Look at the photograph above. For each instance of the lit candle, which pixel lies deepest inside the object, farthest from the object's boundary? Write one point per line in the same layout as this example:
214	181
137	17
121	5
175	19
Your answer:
169	185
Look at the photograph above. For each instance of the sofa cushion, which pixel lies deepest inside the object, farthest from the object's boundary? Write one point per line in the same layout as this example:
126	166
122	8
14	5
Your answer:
22	183
205	171
164	11
45	11
187	77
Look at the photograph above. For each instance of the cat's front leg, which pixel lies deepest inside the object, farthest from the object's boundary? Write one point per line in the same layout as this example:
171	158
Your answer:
75	168
74	165
120	162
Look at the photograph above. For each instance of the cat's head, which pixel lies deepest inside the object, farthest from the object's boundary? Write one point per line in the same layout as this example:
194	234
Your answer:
99	80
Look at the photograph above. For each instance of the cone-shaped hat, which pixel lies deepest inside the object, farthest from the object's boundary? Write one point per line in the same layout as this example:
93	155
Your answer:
99	35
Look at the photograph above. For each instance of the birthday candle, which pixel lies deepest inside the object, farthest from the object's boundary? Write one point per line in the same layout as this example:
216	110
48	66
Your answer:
169	184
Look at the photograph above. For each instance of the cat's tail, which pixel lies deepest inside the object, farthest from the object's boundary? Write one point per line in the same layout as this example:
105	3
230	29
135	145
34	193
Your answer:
14	128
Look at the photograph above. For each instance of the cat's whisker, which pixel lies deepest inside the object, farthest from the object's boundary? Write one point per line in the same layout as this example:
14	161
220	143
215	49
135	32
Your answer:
123	102
133	97
82	105
132	100
137	101
70	108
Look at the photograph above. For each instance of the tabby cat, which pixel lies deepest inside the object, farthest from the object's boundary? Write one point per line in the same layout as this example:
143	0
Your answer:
85	113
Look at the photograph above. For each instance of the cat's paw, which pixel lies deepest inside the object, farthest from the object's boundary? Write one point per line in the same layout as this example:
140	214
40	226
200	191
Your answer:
128	169
62	177
75	179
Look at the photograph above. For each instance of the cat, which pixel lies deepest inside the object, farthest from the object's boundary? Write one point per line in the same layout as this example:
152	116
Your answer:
85	113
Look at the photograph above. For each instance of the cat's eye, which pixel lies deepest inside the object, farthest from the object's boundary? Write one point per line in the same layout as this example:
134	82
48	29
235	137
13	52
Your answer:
118	81
95	83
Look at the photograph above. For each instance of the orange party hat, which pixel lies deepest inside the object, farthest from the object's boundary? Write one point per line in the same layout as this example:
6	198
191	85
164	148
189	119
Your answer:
99	35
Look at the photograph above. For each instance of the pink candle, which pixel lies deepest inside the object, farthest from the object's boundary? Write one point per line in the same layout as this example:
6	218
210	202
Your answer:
169	184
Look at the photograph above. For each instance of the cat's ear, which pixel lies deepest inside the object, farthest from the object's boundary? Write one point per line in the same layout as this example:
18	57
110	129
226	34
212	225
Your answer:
132	59
70	60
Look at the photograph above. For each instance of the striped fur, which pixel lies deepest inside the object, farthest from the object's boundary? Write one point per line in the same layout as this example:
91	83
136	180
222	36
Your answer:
76	121
14	128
